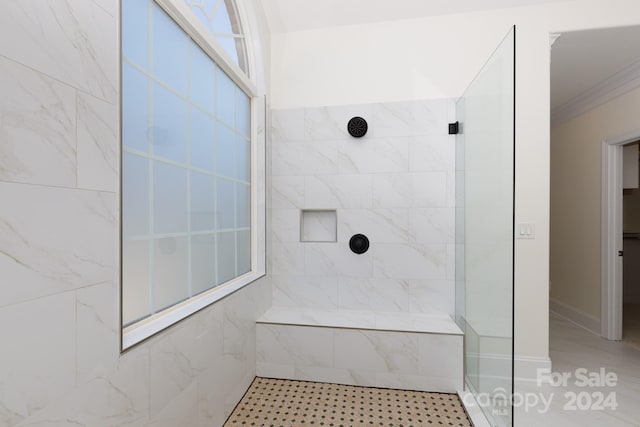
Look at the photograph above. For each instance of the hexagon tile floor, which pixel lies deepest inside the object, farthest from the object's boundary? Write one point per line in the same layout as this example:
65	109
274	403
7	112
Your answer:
286	403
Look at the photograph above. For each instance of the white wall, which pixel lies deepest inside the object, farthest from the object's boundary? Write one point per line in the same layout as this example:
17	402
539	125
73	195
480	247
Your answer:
576	157
395	185
438	57
59	324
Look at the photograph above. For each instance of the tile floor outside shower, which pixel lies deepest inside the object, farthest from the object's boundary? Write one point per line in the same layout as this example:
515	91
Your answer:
288	403
571	347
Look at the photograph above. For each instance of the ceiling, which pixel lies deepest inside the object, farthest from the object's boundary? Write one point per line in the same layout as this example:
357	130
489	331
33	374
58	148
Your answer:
582	59
299	15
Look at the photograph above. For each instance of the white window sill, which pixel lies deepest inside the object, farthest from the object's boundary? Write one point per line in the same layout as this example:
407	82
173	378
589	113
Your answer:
150	326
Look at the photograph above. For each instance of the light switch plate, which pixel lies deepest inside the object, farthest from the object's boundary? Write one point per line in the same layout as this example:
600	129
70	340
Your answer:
526	231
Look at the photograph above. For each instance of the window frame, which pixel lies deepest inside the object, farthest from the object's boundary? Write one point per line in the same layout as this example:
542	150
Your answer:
145	328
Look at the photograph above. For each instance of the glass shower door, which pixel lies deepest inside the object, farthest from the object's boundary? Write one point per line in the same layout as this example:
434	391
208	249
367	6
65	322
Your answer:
484	231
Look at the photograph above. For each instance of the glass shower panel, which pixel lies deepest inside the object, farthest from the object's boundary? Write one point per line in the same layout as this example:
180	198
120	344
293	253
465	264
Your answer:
484	231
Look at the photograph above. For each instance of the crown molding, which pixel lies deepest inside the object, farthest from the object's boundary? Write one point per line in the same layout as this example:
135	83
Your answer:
612	87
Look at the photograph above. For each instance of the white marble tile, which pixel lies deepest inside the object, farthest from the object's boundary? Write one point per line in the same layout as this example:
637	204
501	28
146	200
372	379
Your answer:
441	356
215	387
177	358
417	382
311	292
288	258
379	225
304	159
336	259
414	322
338	191
295	345
49	240
325	123
285	225
287	125
181	411
432	225
37	363
239	327
420	189
431	296
430	153
118	398
409	118
73	41
410	261
357	377
327	318
373	155
97	144
377	351
275	370
374	294
287	192
38	127
97	334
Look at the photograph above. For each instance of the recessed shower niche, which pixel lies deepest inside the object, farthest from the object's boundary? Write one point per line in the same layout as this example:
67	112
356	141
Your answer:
318	225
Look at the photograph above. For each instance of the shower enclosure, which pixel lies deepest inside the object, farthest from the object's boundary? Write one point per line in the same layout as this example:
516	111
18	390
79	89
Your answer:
485	231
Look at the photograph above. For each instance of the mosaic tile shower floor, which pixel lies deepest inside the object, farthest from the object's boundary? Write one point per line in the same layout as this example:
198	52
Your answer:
287	403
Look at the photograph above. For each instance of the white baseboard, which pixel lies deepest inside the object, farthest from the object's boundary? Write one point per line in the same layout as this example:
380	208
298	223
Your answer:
526	368
574	315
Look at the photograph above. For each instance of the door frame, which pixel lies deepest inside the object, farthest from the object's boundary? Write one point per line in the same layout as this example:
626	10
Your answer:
611	234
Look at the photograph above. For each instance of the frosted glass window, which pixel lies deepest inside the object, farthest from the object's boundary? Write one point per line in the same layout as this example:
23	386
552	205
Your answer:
202	140
226	204
169	198
226	256
203	262
170	61
135	195
135	109
225	152
186	204
220	18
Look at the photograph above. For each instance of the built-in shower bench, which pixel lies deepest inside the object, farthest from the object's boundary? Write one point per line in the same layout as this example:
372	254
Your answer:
394	350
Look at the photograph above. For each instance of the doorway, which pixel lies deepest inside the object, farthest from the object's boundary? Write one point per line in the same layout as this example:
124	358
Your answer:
595	91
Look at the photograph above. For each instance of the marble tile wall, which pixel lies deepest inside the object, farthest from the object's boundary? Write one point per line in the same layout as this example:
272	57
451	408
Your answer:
59	145
374	358
396	185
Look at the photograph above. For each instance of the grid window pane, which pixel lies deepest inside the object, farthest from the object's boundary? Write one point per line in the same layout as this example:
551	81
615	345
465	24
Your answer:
244	251
135	195
135	29
203	202
243	205
186	147
243	159
171	272
201	140
226	256
203	262
225	152
225	98
135	109
169	125
169	198
170	46
225	204
202	71
136	299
